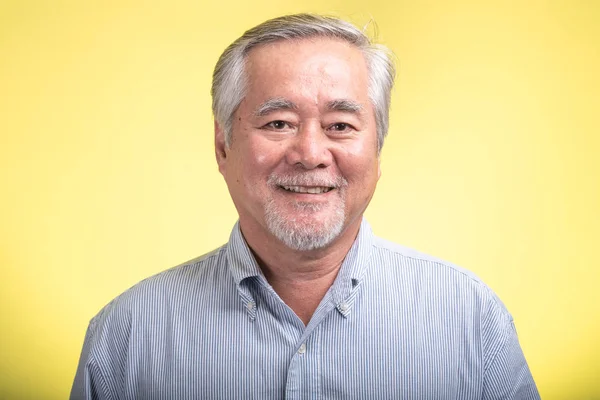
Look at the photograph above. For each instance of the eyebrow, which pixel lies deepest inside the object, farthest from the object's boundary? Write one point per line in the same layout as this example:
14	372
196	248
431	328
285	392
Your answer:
274	104
345	105
279	103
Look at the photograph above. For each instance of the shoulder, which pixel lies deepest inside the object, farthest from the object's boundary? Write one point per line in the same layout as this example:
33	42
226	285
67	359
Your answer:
434	275
165	291
407	257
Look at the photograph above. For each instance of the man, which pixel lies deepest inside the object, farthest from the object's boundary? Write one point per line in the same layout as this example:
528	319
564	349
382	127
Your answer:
304	302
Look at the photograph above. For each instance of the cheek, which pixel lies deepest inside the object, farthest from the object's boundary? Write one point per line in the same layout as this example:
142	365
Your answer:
262	159
359	163
362	174
256	162
263	154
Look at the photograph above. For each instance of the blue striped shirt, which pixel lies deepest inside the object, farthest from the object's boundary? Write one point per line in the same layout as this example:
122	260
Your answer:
396	324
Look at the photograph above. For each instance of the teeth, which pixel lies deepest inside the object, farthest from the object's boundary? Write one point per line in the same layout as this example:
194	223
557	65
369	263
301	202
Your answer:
304	189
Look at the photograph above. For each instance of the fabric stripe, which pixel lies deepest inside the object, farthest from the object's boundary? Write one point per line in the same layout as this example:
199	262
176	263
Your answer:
395	324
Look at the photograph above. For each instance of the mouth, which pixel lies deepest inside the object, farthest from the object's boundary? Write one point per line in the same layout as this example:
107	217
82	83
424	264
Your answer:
307	189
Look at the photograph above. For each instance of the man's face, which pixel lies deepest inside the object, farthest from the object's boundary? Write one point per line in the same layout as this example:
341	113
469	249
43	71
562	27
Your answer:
302	164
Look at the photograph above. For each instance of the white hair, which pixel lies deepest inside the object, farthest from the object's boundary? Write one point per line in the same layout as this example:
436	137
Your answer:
229	78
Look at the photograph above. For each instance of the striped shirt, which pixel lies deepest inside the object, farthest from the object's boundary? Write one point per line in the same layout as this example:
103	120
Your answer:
396	324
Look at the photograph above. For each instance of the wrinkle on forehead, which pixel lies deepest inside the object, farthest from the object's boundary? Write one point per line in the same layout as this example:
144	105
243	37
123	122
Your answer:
317	70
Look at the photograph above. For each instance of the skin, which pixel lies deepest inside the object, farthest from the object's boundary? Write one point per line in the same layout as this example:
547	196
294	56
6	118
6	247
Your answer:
310	138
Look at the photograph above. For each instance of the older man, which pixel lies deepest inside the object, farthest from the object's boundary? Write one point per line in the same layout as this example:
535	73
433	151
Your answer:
304	302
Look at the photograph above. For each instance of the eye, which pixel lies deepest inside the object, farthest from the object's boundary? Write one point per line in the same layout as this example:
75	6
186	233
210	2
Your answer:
340	127
277	125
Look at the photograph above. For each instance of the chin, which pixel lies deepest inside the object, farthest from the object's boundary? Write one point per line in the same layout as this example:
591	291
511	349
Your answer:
304	231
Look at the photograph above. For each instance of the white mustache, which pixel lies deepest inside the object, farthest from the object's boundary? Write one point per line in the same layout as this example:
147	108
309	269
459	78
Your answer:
307	180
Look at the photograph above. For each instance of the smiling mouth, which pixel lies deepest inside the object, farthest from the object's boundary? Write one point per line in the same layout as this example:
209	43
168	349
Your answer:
307	189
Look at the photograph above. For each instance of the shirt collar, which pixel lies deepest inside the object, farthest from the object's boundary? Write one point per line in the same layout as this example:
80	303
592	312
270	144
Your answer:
242	262
355	265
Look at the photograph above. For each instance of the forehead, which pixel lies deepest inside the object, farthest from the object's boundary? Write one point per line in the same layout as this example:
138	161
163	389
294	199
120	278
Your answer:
321	67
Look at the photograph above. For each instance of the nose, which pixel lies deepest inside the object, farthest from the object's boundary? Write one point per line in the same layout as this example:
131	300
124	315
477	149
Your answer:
310	148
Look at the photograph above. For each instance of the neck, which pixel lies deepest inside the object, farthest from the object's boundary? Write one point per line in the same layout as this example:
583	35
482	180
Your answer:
300	278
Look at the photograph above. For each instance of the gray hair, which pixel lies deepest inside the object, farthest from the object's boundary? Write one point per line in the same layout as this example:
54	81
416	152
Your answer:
229	78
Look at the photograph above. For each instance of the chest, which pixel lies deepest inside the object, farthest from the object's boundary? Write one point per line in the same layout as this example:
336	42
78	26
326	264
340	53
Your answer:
377	355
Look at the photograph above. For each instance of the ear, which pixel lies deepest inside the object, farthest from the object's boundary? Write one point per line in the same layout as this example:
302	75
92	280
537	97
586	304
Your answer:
220	148
379	165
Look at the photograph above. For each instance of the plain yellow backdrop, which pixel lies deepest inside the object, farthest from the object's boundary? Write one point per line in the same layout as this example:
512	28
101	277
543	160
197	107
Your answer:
108	172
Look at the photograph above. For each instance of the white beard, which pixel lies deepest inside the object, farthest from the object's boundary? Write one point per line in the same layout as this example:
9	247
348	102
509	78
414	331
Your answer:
300	234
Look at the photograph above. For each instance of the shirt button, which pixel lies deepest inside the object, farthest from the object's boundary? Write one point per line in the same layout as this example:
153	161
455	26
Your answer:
302	349
250	306
344	307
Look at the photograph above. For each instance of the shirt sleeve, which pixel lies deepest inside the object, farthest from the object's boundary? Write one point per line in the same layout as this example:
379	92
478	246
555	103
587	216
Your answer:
89	384
506	375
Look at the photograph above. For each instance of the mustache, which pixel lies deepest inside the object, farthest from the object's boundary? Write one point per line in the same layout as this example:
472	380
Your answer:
307	179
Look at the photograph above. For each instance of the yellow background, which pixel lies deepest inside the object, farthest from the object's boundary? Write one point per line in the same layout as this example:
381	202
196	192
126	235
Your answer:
108	173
